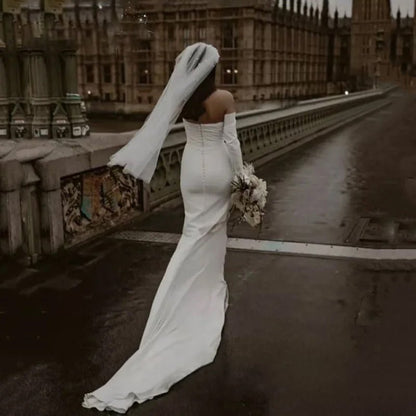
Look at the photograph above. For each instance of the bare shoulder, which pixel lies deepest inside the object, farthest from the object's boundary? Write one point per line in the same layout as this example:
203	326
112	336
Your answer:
225	95
220	102
225	99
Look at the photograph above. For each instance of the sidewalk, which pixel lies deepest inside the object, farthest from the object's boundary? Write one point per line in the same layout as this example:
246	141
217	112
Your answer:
303	336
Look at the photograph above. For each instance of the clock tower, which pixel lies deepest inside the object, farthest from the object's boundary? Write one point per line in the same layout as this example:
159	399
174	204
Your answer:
370	41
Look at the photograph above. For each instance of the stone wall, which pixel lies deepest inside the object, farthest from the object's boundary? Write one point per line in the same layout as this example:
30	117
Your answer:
56	193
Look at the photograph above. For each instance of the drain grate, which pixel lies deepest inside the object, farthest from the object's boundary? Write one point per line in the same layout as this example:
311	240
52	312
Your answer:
383	232
407	232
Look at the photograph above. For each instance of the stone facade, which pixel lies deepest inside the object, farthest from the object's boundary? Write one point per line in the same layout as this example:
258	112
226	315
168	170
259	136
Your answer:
403	50
269	49
383	49
339	54
38	80
125	51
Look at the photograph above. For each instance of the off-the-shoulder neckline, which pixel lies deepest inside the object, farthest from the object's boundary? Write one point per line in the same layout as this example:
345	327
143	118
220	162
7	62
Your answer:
210	124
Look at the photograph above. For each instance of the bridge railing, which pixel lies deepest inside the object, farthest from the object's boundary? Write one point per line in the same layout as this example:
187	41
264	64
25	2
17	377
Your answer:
264	134
57	193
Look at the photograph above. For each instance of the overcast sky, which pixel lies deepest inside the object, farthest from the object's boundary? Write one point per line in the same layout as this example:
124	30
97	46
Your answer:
345	6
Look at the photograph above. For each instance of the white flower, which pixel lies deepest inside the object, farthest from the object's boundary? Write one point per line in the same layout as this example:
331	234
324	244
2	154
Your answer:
255	181
256	195
249	195
253	218
248	169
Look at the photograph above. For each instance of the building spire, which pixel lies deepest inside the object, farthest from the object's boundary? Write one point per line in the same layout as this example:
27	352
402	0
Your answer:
336	15
325	13
317	14
276	7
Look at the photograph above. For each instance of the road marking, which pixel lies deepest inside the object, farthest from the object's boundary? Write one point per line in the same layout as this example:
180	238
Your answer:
282	247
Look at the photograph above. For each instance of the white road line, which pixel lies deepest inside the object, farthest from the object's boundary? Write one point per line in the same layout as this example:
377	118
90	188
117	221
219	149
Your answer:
282	247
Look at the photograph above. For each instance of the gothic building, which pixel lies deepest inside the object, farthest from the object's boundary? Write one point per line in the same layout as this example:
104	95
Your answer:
383	49
269	49
403	52
38	82
339	52
370	40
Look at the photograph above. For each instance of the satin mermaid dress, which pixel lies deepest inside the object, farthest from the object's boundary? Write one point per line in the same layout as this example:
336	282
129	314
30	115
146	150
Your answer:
184	327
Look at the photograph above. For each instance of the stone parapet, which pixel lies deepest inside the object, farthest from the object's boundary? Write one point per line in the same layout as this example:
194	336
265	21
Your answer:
56	193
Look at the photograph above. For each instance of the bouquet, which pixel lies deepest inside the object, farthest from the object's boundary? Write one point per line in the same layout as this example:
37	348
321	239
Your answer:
248	196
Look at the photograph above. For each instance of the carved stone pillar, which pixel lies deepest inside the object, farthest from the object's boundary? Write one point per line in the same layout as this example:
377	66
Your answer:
70	68
54	65
72	100
4	101
19	125
36	90
10	57
61	127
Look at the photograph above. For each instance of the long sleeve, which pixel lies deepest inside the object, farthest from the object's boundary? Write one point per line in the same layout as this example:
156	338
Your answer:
232	143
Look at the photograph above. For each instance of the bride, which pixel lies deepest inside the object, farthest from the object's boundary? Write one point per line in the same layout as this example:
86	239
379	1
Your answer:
184	327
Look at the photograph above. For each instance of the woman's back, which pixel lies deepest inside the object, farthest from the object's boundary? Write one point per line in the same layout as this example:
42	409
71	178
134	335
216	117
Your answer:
216	106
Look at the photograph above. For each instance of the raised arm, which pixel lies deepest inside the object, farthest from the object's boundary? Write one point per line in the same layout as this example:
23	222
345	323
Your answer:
230	134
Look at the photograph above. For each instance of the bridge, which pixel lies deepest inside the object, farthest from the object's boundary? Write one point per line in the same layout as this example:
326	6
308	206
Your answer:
321	300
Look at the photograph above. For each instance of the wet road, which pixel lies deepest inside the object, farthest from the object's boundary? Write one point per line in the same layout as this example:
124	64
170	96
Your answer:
319	191
303	336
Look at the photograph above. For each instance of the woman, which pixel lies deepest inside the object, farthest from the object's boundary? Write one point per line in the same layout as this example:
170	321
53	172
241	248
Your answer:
183	331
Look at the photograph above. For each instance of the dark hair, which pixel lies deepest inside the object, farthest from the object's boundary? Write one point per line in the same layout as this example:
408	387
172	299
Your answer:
194	107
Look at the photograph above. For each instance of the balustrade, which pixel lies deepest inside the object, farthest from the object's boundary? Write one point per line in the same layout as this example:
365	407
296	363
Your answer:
55	195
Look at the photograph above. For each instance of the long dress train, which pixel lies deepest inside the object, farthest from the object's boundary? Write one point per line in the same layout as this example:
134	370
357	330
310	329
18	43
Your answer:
184	327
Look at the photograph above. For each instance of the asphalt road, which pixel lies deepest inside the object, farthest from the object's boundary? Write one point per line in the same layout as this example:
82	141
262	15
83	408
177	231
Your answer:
303	336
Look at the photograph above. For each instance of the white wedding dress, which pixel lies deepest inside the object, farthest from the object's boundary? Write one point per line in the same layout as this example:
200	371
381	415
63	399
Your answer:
183	331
